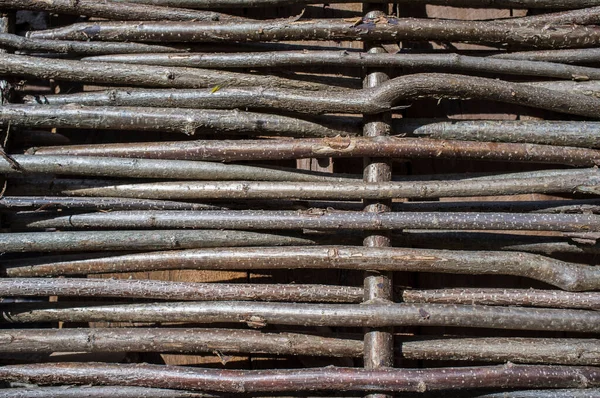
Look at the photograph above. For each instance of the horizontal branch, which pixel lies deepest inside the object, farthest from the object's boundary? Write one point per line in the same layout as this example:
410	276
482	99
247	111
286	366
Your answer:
521	297
560	393
380	29
567	276
316	219
573	206
56	202
258	314
498	349
554	4
347	147
185	291
141	240
577	16
148	289
330	378
124	11
91	391
384	97
230	341
406	63
222	341
138	75
583	180
156	169
565	56
548	245
85	48
185	121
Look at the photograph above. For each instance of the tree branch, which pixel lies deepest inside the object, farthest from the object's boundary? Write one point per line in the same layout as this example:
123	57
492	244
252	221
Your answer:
567	276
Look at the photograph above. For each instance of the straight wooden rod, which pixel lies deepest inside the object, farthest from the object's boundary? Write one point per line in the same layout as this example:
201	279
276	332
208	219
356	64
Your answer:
329	379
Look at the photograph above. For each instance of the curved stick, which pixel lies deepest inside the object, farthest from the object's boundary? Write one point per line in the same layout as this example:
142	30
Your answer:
122	11
257	314
141	240
380	29
350	147
154	169
567	276
383	98
407	63
138	75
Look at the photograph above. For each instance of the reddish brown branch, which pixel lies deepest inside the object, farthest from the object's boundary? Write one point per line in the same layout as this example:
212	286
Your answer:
331	379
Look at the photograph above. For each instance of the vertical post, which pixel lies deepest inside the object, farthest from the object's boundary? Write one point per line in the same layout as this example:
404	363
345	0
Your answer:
378	343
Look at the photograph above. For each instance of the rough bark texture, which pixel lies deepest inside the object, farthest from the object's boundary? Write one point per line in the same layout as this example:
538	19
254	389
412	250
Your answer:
377	29
582	180
400	62
227	341
457	3
85	48
568	56
140	240
524	297
385	97
154	169
110	10
71	391
147	289
138	75
312	219
185	121
54	202
567	276
257	314
392	147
